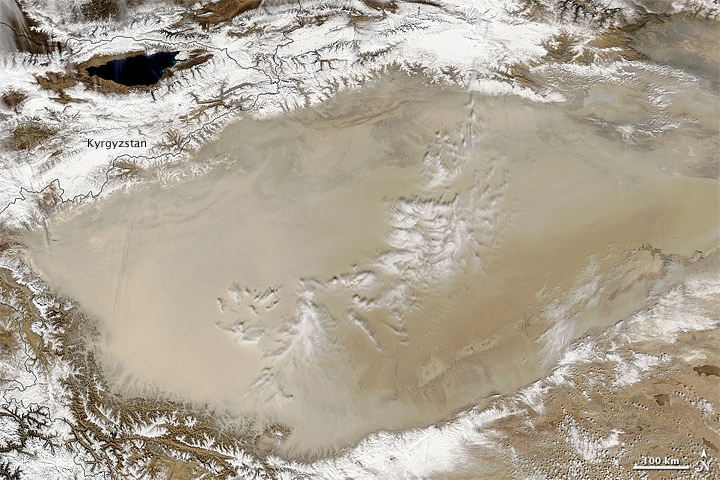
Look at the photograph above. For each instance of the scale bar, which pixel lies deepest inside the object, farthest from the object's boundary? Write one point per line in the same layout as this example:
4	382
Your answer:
661	467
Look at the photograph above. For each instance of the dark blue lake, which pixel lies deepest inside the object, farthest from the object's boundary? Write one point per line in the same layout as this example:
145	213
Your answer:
135	70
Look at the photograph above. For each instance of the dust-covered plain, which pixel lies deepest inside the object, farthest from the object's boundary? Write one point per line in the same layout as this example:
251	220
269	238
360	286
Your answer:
385	259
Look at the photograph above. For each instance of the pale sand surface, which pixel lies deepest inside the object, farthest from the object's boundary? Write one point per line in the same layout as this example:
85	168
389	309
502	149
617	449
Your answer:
331	277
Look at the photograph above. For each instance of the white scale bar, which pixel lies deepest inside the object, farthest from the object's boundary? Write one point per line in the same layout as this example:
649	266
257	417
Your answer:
661	467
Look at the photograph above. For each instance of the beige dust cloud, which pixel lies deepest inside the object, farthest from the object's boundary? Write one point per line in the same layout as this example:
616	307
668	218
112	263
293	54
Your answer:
379	262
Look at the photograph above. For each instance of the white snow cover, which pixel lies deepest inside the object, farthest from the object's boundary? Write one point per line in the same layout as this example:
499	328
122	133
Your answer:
35	389
275	67
627	373
562	312
404	454
681	310
592	447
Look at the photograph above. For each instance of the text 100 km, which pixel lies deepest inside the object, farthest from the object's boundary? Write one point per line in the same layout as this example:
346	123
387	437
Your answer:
659	461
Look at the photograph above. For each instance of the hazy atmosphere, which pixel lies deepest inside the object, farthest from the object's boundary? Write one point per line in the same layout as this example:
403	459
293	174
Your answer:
349	268
359	239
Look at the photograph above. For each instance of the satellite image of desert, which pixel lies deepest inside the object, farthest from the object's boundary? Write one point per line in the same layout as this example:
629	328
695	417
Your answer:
359	239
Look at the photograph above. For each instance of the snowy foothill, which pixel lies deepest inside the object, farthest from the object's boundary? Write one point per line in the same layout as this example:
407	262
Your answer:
264	62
